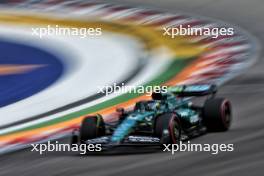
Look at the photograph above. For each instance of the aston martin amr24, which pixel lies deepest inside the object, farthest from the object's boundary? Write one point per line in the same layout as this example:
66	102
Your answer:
166	118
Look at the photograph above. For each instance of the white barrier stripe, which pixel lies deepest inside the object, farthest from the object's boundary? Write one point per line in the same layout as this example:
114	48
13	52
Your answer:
21	4
225	51
123	15
117	14
89	10
212	61
211	69
212	55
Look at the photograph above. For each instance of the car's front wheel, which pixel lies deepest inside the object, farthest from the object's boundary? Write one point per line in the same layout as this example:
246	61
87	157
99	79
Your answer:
168	129
92	127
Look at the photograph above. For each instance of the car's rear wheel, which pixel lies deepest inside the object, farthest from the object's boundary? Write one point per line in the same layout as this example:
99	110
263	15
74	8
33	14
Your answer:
92	127
168	129
217	114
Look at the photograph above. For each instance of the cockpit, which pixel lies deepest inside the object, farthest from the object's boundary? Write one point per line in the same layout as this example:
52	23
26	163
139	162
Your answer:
150	105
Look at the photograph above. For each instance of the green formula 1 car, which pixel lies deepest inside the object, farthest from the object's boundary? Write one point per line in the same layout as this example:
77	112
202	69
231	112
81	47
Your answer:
165	119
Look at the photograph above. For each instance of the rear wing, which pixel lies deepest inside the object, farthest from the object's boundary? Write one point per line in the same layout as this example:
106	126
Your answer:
193	90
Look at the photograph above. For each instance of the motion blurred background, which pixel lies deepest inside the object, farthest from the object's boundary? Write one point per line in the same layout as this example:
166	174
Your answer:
47	85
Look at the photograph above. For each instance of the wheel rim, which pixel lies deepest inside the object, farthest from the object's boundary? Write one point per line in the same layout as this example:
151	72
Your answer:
226	113
174	130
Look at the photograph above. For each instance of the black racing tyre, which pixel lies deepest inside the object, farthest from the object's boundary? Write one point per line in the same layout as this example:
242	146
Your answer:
92	127
168	128
217	114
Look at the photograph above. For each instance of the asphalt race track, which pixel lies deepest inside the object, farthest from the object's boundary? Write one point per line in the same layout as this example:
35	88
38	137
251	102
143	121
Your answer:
247	133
